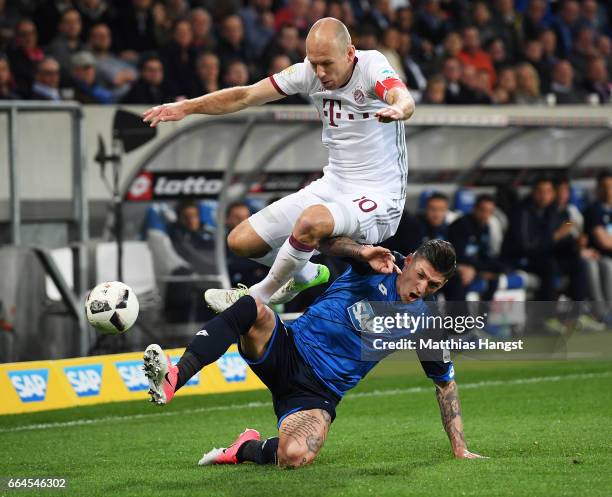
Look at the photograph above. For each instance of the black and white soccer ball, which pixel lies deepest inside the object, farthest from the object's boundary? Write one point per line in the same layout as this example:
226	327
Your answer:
112	307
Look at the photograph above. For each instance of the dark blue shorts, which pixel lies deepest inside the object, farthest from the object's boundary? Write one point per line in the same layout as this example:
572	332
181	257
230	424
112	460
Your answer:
292	382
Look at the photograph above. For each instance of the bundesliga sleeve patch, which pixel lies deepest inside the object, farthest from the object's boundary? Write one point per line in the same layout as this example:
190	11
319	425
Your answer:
382	87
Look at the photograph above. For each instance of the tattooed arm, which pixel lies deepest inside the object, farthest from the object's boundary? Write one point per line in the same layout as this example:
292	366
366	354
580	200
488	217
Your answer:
450	409
379	258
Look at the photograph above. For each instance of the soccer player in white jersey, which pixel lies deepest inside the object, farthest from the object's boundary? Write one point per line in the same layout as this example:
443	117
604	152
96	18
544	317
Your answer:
362	104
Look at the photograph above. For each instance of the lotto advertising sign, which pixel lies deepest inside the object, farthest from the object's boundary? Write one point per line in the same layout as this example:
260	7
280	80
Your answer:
44	385
165	185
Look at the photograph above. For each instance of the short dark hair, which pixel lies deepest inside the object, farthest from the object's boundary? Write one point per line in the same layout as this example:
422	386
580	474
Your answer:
186	204
436	196
234	205
604	175
483	197
440	254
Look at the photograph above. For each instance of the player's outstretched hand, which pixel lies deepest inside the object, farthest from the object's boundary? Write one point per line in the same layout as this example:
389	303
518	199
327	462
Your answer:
466	454
389	114
380	259
166	112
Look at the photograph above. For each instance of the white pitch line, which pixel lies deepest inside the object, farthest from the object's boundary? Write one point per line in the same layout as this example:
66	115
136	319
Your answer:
350	396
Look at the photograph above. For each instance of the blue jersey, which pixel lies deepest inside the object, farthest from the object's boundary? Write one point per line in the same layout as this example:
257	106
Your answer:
329	337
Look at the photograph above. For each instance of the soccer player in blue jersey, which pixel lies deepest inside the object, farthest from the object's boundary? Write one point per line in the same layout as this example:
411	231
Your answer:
310	364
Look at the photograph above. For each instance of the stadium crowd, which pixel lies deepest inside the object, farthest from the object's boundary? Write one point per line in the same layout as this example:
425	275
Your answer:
447	51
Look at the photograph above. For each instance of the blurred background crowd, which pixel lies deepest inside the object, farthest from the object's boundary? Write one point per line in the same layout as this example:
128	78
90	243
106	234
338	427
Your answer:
447	51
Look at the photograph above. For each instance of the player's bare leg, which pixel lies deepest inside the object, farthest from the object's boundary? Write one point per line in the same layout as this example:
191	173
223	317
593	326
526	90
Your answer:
291	270
301	437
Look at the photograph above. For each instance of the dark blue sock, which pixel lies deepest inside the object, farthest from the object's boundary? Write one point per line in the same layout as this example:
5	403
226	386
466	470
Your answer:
215	338
259	452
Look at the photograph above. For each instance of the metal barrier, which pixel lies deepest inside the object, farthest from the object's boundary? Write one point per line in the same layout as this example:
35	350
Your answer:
80	208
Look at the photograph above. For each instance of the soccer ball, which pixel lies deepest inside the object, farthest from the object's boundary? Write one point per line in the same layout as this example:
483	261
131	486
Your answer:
112	307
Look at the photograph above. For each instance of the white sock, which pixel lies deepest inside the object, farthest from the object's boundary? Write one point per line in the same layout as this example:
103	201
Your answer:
291	258
307	273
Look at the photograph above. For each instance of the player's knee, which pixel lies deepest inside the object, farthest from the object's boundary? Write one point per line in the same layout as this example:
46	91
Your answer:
314	224
237	240
292	455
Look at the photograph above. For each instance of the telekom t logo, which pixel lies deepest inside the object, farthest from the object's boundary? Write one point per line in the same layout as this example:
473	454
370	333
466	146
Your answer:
330	113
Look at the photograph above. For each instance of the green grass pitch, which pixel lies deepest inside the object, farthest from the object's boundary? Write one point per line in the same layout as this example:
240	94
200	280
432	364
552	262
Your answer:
547	427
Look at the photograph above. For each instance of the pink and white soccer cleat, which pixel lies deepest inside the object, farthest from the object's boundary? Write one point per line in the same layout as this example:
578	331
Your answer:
162	375
229	455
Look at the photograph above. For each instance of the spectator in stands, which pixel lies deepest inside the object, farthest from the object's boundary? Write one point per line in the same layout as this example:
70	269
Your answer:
497	52
7	85
597	81
83	80
232	45
536	242
505	93
415	77
456	93
295	13
258	21
114	73
582	52
604	48
431	23
94	12
566	25
9	17
472	55
562	85
436	90
179	58
47	16
201	26
450	49
508	27
236	74
207	71
527	85
534	20
598	227
428	225
389	47
47	81
591	17
483	21
470	235
368	38
286	42
241	269
534	54
194	243
149	88
68	40
24	54
474	90
135	28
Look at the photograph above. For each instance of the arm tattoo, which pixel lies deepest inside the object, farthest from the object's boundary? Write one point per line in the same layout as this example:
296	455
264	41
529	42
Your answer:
341	246
450	409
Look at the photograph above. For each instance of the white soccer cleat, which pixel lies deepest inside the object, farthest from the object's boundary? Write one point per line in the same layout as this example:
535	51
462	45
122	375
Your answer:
219	300
160	372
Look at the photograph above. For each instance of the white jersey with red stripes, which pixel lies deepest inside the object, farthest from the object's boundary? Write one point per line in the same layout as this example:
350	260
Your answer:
364	154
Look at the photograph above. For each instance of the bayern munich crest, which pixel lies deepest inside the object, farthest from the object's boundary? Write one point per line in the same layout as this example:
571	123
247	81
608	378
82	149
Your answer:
359	96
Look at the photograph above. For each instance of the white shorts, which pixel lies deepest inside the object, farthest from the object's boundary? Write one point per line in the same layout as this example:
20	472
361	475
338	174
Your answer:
366	217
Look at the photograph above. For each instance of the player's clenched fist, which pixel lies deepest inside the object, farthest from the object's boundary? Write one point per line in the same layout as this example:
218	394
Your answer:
166	112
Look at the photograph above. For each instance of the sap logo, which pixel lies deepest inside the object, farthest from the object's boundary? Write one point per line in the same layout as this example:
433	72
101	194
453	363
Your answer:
232	366
31	386
195	379
133	376
85	380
